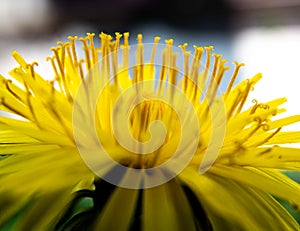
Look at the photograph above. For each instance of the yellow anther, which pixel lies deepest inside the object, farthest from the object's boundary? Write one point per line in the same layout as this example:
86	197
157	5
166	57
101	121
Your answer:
11	108
183	47
7	83
216	64
217	56
66	45
208	50
73	39
90	35
244	96
140	38
58	60
17	69
84	40
105	37
92	47
31	68
112	46
105	40
51	59
156	39
117	42
272	135
234	75
198	52
118	35
169	42
265	127
81	61
86	51
125	50
62	55
126	36
223	61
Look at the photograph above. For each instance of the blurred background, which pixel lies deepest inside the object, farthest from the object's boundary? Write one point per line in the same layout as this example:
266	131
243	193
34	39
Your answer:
263	34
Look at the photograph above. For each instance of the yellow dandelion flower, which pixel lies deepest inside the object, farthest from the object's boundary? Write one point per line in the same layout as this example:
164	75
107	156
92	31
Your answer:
128	138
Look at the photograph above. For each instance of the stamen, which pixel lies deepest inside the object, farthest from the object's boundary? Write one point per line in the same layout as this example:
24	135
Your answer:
233	78
163	72
51	59
219	79
183	47
244	96
52	82
266	127
214	71
126	36
92	46
196	63
114	46
234	104
156	40
9	107
222	69
186	66
86	52
169	45
259	125
17	69
125	50
63	55
253	109
73	39
258	105
195	72
139	60
105	40
207	64
118	37
114	58
9	89
30	105
215	77
31	68
60	120
269	137
139	38
58	60
69	54
173	75
81	69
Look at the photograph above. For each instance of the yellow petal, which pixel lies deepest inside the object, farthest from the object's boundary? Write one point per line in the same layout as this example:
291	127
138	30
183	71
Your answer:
235	206
165	207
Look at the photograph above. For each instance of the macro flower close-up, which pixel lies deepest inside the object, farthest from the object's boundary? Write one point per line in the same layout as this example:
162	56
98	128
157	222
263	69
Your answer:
141	137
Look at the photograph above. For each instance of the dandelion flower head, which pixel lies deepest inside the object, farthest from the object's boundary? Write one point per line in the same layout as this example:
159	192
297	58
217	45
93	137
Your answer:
147	136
